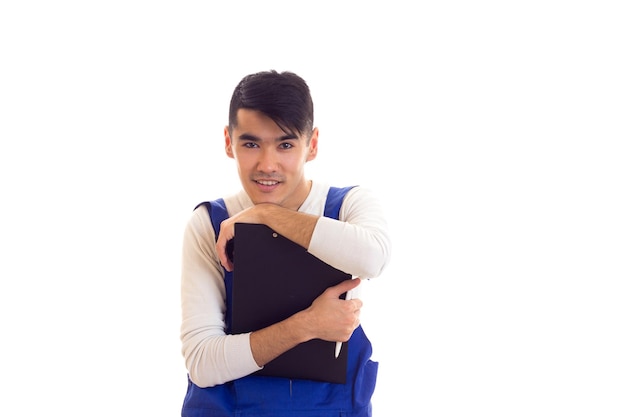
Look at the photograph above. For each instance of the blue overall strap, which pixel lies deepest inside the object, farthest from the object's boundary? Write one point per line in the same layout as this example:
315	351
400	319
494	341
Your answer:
217	213
334	200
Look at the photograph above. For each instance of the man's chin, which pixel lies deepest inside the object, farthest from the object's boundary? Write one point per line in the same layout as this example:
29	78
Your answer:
264	198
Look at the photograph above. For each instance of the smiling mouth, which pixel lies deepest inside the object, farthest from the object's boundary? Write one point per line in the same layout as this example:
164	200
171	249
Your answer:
266	182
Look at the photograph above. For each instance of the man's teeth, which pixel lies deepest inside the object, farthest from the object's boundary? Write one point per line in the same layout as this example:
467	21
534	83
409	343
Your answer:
267	182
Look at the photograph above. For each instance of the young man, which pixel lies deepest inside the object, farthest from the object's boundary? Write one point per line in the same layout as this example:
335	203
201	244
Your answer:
271	136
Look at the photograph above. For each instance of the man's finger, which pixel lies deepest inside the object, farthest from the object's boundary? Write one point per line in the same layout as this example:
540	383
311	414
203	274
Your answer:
344	286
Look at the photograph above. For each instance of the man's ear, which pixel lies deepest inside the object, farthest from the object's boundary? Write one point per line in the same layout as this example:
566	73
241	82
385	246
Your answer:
313	145
228	143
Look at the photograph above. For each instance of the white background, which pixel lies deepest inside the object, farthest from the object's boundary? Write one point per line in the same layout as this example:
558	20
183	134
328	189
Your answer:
494	131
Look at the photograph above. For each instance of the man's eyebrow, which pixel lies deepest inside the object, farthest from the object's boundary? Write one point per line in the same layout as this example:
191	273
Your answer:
252	138
247	136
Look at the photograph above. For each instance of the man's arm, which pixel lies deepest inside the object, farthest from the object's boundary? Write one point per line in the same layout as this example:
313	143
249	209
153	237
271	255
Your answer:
294	225
359	241
328	318
211	356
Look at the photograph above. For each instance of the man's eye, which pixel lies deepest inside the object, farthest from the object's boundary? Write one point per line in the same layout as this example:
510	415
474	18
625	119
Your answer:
250	145
286	145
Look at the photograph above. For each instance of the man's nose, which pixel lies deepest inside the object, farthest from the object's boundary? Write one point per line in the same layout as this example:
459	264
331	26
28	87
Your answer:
268	162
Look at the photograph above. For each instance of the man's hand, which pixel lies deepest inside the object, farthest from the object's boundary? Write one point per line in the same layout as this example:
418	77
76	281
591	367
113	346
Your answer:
332	318
227	232
329	318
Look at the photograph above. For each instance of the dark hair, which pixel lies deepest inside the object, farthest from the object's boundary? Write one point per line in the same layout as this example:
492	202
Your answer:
283	97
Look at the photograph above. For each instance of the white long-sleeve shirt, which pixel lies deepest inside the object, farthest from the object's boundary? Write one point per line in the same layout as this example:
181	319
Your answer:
358	244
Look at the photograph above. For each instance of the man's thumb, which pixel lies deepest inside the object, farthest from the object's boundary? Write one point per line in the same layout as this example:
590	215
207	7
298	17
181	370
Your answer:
344	286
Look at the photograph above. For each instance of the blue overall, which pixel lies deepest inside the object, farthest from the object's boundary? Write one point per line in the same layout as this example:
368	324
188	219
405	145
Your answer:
262	396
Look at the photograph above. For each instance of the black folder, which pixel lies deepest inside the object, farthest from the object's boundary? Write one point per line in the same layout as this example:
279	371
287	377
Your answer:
274	278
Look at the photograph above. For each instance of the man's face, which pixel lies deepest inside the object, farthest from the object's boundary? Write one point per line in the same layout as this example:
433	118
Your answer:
270	162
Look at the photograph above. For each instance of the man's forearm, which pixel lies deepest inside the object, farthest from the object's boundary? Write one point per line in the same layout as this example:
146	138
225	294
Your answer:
269	343
328	318
294	225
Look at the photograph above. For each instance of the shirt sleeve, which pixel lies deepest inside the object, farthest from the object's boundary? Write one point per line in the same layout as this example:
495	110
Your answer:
211	356
361	244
